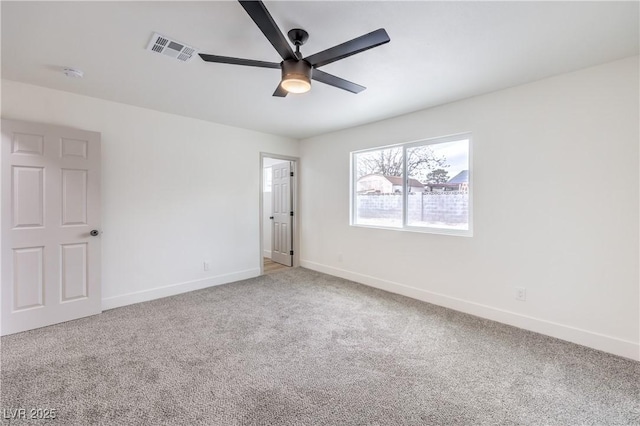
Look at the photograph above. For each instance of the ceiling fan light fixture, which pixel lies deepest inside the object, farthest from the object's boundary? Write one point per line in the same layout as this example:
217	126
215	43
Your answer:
296	76
296	84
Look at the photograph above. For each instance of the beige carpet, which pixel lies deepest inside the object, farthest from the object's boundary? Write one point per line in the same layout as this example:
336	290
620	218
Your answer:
303	348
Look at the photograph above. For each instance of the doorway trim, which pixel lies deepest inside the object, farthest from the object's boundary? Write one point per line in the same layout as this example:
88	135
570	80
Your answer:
295	225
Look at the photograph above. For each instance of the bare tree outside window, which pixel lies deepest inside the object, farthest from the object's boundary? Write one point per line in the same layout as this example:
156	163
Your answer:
389	162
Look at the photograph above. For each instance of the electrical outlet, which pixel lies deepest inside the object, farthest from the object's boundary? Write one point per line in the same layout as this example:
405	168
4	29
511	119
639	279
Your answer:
206	265
521	294
340	257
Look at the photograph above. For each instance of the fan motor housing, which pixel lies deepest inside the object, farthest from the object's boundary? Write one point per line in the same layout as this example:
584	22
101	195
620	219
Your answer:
293	67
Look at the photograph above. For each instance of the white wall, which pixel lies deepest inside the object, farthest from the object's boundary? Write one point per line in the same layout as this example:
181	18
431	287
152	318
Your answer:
175	192
555	168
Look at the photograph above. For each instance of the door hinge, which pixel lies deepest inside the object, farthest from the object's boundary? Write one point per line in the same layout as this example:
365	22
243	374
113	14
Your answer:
290	213
291	252
291	174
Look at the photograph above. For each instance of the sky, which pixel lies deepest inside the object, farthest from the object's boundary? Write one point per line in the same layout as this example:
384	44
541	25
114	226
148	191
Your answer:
457	154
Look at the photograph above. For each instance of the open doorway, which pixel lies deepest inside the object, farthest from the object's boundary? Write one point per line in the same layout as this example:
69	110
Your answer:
278	208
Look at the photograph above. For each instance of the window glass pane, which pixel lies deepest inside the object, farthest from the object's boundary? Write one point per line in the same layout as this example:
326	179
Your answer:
378	187
439	185
266	179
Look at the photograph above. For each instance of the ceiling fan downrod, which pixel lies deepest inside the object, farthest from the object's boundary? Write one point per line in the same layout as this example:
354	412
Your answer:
298	37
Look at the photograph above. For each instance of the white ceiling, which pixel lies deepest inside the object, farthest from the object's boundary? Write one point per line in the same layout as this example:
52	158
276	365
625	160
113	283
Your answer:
439	52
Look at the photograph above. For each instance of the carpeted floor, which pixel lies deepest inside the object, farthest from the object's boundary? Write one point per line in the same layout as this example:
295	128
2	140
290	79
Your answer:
299	347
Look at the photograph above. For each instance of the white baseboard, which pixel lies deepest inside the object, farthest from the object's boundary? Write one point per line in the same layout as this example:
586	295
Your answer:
173	289
587	338
267	254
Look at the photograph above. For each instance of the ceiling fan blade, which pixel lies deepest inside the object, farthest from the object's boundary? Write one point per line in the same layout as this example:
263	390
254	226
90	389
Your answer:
261	16
238	61
338	82
280	92
351	47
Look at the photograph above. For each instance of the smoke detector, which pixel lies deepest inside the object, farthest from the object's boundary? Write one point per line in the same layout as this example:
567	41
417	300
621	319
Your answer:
171	48
73	73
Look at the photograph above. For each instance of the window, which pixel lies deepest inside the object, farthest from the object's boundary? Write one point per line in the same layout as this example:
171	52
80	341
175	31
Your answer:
420	186
266	179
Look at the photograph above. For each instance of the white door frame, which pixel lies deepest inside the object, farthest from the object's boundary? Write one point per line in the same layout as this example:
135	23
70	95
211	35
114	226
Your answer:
295	224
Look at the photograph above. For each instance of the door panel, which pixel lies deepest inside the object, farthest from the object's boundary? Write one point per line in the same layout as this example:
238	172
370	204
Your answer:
28	278
276	238
281	205
74	197
74	271
50	203
74	148
27	196
27	144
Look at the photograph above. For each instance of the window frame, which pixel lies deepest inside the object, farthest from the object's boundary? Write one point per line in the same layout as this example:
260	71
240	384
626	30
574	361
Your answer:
405	183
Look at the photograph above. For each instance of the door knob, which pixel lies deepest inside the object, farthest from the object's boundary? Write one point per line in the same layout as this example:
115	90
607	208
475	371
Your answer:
270	217
94	233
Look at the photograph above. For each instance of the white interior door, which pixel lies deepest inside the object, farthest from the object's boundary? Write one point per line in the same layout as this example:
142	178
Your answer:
50	205
281	236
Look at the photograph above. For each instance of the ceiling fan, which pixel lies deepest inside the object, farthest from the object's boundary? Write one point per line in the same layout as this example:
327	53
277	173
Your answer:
298	71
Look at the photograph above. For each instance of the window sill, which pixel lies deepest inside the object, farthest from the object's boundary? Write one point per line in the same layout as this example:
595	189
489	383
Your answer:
421	230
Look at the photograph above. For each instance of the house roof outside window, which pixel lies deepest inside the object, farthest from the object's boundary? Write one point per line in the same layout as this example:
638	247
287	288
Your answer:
462	177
